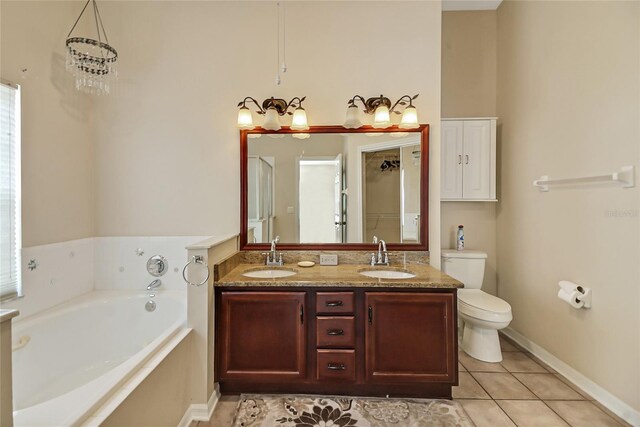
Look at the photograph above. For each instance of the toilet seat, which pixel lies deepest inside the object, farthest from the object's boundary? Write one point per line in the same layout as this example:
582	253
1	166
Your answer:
480	305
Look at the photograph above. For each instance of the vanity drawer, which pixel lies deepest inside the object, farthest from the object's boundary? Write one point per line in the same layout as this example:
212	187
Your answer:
336	365
336	332
334	302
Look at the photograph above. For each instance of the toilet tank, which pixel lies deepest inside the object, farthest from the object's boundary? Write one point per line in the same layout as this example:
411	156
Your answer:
466	266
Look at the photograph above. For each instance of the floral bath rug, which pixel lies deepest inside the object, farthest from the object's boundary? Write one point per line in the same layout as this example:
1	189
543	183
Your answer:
257	410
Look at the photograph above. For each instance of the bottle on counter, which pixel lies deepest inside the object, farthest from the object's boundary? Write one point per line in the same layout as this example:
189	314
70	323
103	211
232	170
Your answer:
460	238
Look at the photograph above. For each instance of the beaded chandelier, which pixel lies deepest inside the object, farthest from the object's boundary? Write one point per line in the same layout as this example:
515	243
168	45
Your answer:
92	62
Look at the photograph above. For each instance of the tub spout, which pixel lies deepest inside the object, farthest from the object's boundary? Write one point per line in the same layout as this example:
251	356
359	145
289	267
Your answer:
155	284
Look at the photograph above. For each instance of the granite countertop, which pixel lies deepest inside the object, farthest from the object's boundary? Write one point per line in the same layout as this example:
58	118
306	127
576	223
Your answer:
340	276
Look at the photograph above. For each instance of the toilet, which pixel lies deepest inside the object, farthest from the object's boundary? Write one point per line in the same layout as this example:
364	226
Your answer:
481	315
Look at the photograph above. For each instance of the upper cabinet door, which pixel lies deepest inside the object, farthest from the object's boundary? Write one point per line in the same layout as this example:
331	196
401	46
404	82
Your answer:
477	159
451	159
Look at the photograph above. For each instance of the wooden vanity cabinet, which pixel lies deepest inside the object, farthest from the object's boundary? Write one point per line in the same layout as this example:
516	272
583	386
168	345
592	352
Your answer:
407	337
376	341
262	336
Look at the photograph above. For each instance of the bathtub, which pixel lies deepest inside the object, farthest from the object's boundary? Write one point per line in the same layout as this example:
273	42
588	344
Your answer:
69	359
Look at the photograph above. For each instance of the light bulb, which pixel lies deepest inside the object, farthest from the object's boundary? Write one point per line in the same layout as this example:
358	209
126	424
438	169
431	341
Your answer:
409	118
245	119
353	120
381	117
271	119
299	120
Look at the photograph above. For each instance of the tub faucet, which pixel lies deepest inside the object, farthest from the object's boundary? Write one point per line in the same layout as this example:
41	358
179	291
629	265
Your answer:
155	284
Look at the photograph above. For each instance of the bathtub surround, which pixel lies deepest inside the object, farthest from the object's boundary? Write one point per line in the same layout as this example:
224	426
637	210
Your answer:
69	269
63	271
161	381
569	102
120	265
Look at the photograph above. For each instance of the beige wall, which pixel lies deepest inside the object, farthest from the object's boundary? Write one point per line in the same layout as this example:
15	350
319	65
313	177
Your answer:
166	144
569	102
469	63
469	90
479	220
57	145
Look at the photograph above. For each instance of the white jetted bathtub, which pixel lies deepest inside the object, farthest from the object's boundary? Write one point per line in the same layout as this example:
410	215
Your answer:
67	360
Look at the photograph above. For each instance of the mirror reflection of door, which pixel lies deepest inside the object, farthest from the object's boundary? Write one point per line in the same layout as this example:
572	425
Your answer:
260	193
320	200
381	200
391	194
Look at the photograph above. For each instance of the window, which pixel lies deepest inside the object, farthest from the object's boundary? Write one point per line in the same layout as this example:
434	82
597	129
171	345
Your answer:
10	232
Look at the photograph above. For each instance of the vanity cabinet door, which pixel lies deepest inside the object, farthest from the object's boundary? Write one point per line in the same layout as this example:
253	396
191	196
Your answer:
262	336
410	337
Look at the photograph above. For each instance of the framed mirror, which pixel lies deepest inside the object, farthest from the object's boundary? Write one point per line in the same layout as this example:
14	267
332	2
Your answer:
332	188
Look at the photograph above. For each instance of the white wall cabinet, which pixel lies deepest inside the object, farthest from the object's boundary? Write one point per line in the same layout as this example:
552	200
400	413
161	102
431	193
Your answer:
468	159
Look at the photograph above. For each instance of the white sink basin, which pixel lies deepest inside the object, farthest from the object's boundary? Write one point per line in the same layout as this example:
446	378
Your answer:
388	274
269	273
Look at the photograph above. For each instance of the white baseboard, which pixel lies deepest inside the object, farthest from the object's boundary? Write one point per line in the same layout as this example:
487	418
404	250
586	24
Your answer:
200	411
611	402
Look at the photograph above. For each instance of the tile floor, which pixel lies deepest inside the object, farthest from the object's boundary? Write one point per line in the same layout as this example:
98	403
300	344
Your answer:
519	391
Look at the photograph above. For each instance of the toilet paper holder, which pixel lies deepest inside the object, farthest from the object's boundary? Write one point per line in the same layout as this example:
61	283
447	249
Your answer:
575	295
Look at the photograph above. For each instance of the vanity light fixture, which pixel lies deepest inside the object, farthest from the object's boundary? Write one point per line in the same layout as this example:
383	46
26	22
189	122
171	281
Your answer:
381	109
272	108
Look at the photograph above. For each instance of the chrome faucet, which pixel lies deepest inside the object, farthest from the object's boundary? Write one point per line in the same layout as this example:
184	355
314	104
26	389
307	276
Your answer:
382	257
273	257
155	284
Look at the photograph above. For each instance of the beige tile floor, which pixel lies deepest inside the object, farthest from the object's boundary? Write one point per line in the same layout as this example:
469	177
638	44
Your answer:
519	391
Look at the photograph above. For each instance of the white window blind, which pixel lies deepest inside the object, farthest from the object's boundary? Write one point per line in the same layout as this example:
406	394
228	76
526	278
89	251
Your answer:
10	233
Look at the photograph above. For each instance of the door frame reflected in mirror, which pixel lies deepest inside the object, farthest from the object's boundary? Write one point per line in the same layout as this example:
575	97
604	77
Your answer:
423	245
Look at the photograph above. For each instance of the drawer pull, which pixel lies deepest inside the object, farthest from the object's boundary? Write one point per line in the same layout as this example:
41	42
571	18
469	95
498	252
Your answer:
335	332
336	366
334	303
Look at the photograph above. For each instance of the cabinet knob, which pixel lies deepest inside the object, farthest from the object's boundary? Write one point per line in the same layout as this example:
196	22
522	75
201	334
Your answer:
467	159
335	332
459	159
334	303
336	366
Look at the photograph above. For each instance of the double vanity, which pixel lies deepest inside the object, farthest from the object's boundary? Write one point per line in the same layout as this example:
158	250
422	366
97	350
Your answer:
376	324
351	329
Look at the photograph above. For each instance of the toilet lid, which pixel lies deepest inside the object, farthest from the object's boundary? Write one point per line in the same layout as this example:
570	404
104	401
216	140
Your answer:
483	301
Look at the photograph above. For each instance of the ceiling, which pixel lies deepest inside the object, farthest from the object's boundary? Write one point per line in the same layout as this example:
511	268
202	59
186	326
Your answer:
450	5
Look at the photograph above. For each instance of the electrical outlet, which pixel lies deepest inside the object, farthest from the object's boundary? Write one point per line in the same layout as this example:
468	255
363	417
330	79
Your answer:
328	259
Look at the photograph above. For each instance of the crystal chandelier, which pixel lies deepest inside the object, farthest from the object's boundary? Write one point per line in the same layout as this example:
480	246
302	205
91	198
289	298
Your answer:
92	62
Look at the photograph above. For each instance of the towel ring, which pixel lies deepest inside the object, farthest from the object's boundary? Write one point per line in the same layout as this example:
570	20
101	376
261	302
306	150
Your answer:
197	259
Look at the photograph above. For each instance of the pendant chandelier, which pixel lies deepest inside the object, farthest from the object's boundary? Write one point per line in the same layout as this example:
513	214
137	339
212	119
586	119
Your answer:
92	62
